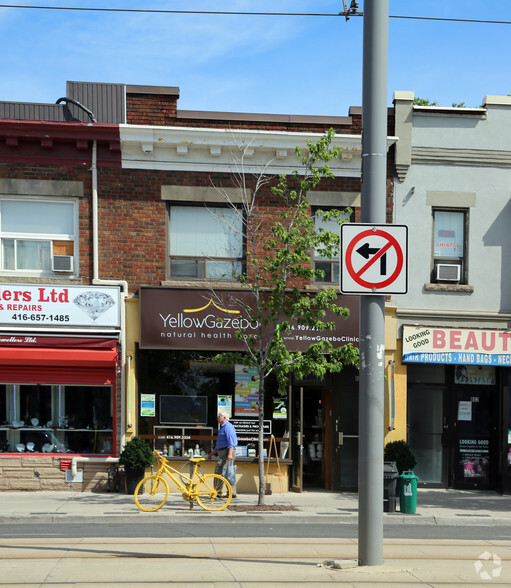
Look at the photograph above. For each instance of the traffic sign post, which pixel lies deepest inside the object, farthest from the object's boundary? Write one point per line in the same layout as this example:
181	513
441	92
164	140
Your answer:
374	259
372	305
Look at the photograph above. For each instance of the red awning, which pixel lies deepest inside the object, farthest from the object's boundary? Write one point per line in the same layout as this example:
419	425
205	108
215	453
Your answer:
58	365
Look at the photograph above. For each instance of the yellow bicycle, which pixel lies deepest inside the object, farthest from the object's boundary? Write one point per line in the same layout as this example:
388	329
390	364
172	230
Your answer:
210	491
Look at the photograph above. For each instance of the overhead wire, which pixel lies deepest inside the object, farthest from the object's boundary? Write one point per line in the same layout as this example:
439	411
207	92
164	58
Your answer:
248	13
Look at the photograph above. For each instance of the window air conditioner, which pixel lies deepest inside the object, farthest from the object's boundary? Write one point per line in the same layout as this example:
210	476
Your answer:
62	263
448	272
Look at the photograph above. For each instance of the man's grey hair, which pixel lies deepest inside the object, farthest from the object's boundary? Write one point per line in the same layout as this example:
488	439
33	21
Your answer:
224	414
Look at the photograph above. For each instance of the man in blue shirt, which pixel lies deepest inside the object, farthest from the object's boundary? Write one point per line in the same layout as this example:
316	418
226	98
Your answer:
226	444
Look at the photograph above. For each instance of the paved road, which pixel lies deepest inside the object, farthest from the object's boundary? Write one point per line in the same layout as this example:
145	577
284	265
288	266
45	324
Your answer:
248	563
474	548
254	528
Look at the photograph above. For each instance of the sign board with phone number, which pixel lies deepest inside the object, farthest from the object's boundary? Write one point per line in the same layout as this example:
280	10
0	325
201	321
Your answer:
55	305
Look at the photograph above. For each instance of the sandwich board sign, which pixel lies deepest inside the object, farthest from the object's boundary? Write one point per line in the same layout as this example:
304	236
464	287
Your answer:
374	259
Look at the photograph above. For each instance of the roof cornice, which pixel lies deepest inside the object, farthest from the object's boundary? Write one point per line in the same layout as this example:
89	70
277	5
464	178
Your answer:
41	142
221	150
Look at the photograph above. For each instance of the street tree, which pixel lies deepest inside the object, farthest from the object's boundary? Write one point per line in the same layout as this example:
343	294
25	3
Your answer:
279	242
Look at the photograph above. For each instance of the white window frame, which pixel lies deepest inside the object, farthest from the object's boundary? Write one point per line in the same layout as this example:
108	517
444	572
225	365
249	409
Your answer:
44	237
440	253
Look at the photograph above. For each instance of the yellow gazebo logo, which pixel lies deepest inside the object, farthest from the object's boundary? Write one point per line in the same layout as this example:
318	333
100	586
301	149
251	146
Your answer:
211	302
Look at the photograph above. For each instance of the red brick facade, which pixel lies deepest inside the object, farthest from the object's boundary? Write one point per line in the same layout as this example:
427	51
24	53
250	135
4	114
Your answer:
132	215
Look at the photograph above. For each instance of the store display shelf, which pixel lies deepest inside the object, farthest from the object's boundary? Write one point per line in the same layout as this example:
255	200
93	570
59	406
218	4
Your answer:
89	430
26	429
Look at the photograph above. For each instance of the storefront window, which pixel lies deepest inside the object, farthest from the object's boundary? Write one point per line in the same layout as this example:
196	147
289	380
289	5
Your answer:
56	419
165	376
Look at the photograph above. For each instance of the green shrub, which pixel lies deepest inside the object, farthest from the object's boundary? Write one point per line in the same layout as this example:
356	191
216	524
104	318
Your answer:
136	455
400	452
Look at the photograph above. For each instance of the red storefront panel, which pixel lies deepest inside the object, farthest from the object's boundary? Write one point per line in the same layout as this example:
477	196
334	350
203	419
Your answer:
92	364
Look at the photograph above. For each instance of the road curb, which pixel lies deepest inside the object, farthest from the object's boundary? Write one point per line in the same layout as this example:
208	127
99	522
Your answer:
273	517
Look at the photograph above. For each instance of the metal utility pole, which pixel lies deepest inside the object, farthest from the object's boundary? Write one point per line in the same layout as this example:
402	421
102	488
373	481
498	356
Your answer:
372	310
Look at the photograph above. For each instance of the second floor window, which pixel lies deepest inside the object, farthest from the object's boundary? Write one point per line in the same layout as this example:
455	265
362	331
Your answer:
37	236
205	242
449	245
329	265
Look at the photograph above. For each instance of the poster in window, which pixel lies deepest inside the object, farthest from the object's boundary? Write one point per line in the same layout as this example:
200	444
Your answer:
147	405
448	234
464	410
224	404
246	400
279	409
474	457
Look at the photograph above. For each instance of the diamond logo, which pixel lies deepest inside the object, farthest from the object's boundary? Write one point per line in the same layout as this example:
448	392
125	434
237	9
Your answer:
94	303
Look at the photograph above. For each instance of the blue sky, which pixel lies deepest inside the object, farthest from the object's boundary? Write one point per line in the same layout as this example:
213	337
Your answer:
270	64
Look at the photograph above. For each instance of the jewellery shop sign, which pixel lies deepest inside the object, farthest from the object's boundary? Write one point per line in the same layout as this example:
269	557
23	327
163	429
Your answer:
456	346
59	306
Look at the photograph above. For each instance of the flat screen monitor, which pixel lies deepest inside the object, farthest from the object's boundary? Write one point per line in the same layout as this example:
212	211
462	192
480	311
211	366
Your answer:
183	410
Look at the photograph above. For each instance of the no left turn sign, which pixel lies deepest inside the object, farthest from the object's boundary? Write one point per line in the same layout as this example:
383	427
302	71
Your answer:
374	259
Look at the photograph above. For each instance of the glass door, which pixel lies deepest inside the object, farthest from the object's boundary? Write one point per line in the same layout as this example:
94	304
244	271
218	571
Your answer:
313	428
426	431
473	442
296	438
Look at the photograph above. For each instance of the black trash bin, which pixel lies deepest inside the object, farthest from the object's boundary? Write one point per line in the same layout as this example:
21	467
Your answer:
390	477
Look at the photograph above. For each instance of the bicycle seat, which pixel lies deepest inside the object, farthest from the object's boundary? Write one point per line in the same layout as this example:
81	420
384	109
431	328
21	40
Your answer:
197	459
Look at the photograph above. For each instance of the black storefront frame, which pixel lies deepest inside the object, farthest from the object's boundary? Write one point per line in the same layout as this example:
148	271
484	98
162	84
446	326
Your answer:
340	422
153	361
456	444
187	319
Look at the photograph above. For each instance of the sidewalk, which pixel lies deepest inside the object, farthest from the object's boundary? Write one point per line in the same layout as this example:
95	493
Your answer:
439	507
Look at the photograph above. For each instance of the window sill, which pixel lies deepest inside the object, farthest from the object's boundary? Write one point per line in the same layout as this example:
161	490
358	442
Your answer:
202	284
317	286
50	277
463	288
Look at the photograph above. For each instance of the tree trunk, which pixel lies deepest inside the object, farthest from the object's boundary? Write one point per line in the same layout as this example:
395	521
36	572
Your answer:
260	443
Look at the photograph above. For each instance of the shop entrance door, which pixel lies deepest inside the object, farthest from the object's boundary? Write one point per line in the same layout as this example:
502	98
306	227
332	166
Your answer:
296	438
427	432
473	449
311	438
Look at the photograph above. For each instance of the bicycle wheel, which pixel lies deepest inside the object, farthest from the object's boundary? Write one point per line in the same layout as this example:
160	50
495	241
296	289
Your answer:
186	471
213	492
151	493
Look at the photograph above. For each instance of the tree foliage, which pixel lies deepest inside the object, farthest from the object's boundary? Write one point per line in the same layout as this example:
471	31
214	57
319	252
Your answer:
424	102
279	246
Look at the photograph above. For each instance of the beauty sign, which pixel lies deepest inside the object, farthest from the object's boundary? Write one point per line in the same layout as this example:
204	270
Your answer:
456	346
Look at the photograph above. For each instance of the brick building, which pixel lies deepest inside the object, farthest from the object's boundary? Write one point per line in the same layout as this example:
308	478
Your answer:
116	172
